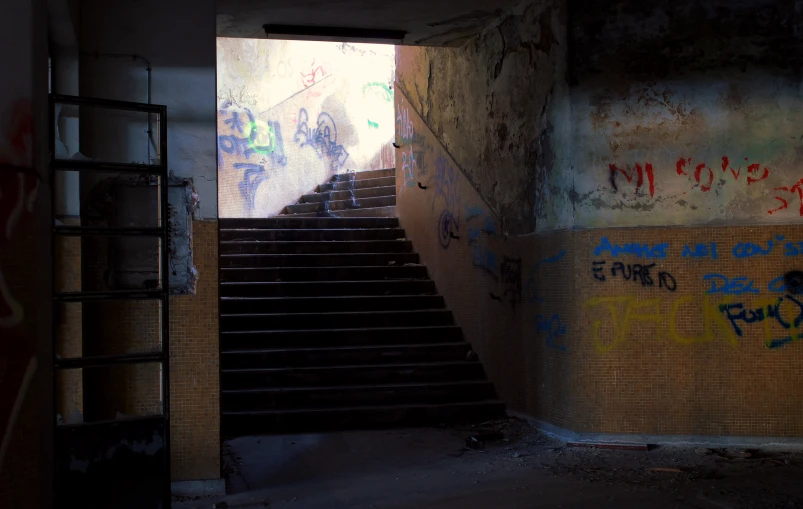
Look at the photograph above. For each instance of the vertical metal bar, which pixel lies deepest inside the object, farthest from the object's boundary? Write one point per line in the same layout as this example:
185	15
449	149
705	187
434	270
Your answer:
51	145
165	318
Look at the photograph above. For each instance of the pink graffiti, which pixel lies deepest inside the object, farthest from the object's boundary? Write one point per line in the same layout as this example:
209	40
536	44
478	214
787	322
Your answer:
310	78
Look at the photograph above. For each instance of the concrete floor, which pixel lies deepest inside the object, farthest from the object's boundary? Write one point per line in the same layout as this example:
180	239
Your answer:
431	468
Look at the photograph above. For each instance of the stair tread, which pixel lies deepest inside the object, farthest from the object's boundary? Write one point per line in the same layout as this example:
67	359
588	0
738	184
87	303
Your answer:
366	407
354	366
402	385
363	330
340	313
342	348
389	211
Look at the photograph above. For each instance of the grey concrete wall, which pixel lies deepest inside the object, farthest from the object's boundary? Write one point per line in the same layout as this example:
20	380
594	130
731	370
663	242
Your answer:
500	106
687	113
178	38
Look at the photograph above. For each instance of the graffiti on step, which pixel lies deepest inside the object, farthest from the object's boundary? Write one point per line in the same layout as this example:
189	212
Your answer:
554	329
616	319
636	272
248	137
531	287
322	138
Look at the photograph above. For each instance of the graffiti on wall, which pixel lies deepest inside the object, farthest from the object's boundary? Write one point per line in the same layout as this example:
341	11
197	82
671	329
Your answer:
249	137
636	272
705	178
554	330
322	138
376	92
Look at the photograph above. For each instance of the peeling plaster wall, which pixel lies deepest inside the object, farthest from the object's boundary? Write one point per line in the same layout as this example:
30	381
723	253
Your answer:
500	107
687	113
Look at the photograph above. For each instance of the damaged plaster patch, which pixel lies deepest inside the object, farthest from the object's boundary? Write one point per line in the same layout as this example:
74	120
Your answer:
183	207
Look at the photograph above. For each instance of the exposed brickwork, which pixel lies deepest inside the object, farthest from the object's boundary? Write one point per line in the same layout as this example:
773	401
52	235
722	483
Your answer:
194	382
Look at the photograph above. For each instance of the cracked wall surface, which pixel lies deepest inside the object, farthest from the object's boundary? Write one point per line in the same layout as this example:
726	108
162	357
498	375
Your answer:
686	113
500	106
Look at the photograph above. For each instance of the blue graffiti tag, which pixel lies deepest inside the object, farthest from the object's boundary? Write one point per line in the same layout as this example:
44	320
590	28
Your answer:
700	251
447	183
632	248
531	288
760	314
793	249
253	176
729	286
748	249
553	327
322	138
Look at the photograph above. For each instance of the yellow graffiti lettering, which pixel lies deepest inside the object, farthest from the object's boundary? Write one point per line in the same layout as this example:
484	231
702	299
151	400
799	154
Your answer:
634	311
711	316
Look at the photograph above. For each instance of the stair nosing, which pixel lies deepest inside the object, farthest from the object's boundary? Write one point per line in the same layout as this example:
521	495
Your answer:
339	313
352	387
354	366
342	348
318	331
365	407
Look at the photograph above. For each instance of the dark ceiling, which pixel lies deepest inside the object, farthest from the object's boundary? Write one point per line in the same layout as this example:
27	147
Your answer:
424	22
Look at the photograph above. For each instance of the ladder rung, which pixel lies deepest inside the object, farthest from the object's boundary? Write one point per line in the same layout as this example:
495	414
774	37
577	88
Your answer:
108	360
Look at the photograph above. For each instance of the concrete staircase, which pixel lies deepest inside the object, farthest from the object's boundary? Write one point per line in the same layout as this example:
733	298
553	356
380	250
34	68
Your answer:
332	323
357	194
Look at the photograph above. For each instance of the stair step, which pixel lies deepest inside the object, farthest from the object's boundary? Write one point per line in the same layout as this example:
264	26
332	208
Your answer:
296	398
231	305
249	234
318	260
285	222
312	247
323	273
310	338
231	379
360	212
336	205
357	184
368	417
324	321
364	175
326	288
342	355
348	194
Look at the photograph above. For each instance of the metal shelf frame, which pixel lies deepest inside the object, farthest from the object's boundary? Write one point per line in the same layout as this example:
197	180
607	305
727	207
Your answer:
161	293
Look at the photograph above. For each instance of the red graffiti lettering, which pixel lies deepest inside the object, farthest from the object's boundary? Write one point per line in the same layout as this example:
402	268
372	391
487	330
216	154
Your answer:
697	171
682	164
752	169
726	166
797	188
638	173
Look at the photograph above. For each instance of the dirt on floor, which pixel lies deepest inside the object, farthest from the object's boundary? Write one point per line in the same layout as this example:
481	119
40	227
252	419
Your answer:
499	464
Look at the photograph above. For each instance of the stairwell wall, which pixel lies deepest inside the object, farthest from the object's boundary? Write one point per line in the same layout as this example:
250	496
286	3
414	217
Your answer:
686	330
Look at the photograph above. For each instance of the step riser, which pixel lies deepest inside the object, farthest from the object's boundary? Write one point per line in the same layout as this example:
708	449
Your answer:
334	321
323	274
329	398
361	203
364	175
289	422
361	212
332	304
382	246
281	222
336	260
311	235
364	337
344	356
350	376
357	184
326	289
369	192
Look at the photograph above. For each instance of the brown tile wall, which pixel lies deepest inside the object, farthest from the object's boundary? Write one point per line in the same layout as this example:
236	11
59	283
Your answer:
619	355
194	361
119	327
67	266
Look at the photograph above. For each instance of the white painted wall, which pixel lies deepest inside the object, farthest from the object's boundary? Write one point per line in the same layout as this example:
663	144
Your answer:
178	38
